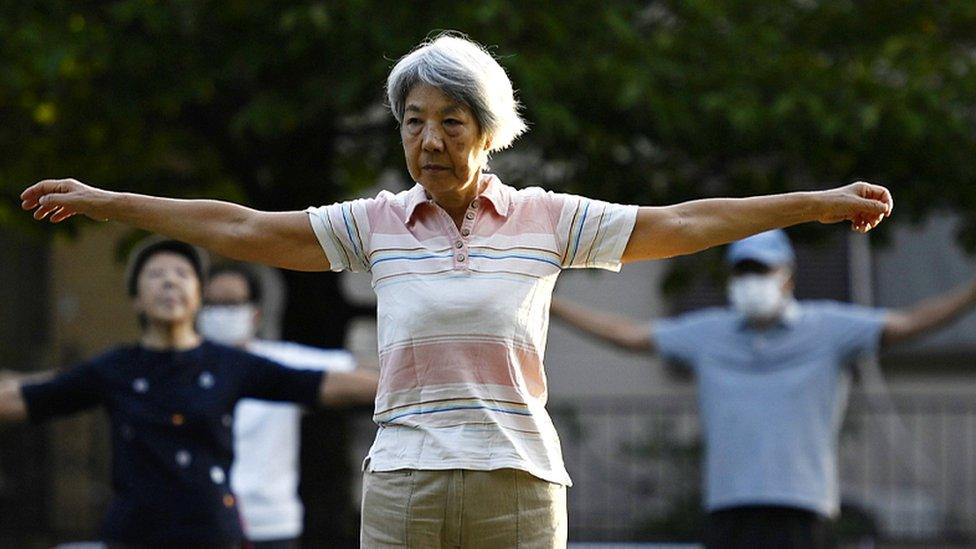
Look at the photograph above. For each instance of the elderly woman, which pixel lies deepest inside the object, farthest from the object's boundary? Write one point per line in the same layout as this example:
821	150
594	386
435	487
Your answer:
463	267
170	399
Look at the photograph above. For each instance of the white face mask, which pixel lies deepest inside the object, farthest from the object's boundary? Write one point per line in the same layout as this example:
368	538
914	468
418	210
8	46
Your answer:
758	297
227	324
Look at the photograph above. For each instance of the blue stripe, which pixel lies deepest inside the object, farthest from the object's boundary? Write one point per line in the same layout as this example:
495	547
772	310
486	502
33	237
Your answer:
411	258
579	233
437	410
516	256
352	240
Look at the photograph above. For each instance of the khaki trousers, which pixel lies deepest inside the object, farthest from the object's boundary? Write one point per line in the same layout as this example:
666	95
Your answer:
461	508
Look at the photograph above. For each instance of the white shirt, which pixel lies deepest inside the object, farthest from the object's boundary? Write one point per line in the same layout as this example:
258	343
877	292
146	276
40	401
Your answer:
264	475
463	315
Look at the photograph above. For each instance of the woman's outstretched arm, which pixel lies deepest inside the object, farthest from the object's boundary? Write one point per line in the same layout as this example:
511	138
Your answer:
280	239
690	227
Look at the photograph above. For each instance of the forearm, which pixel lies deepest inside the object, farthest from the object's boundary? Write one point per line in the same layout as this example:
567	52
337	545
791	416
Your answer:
215	225
12	405
929	314
618	331
693	226
348	388
27	377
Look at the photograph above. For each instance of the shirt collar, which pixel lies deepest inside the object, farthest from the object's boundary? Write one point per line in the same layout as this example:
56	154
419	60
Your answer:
789	318
496	193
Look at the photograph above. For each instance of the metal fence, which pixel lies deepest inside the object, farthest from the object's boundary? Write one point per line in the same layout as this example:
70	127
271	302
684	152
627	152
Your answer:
907	466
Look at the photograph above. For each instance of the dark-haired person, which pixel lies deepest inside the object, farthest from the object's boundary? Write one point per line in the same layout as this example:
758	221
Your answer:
772	387
463	267
170	399
265	474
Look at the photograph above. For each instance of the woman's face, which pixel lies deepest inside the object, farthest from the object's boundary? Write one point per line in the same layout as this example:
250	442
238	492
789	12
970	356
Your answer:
442	141
168	290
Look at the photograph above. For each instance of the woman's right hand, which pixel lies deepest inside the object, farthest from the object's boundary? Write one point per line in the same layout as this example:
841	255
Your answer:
59	199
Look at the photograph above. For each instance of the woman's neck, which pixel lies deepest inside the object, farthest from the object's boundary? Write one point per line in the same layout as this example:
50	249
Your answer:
456	201
168	336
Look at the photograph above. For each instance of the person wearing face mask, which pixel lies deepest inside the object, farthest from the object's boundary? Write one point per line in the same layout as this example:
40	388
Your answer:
170	399
772	389
265	472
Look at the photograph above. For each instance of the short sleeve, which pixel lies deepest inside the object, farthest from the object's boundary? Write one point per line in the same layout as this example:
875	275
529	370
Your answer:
677	338
854	329
590	233
263	379
73	391
296	355
342	230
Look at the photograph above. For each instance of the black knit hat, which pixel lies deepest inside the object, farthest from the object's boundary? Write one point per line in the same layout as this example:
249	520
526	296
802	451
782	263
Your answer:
156	244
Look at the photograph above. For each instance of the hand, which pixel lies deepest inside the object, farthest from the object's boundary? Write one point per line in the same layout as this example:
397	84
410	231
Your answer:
63	198
863	204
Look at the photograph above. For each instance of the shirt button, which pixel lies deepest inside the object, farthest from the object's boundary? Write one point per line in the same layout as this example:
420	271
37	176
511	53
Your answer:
140	385
461	258
469	215
206	380
459	244
465	232
183	458
217	475
474	205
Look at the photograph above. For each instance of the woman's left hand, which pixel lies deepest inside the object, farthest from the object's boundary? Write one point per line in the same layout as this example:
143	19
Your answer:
863	204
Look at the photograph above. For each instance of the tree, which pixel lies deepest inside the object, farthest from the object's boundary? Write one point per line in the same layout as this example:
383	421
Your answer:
279	104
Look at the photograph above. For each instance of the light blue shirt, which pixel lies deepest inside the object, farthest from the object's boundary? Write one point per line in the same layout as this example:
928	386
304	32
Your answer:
772	401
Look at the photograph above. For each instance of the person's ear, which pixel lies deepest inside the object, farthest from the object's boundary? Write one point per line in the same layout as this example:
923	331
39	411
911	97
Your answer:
789	285
485	149
140	311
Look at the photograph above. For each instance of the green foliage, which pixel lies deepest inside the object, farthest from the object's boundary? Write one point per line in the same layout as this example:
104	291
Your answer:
275	103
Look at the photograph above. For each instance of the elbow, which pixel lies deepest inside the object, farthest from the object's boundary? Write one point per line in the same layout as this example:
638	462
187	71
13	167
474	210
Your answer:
679	232
236	236
687	233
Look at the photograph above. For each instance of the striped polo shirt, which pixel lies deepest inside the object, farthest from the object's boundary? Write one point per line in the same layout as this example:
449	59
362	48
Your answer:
463	314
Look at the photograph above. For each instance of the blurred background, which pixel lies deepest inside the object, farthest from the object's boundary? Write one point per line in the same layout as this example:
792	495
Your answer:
279	105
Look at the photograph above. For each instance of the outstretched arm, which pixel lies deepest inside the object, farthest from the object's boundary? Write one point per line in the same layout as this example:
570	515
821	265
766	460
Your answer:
12	405
348	388
690	227
929	314
619	331
27	377
280	239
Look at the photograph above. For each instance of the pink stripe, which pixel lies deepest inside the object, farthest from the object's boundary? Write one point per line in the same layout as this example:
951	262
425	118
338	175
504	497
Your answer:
529	216
442	363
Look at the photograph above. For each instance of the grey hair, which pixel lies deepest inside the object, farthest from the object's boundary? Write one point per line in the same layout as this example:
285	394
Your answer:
466	72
